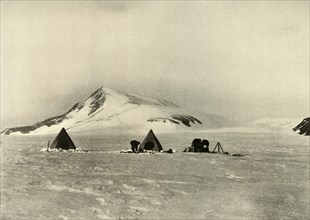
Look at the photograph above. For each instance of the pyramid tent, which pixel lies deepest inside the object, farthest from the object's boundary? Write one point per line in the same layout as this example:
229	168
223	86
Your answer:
63	141
150	142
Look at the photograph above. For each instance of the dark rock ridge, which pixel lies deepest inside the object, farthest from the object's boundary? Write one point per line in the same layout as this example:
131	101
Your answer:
99	98
177	119
303	128
26	129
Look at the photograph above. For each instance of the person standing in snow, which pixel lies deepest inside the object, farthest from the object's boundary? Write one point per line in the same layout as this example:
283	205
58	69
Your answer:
134	145
205	144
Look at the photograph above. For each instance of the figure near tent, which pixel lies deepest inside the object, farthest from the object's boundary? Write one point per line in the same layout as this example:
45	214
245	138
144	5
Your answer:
198	145
202	146
134	146
149	144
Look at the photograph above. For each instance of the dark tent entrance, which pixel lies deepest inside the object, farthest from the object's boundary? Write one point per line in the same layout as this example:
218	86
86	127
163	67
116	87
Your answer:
63	141
150	142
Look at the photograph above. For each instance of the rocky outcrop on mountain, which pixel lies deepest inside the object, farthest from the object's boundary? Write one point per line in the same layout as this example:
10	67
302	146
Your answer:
303	128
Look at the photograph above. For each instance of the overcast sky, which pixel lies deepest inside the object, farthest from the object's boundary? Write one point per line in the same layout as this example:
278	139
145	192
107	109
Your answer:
245	59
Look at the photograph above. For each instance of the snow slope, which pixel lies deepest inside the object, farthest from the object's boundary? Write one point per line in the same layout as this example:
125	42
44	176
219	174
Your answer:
111	111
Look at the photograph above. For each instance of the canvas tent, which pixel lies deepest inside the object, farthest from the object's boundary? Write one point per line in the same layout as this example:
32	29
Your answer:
63	141
150	142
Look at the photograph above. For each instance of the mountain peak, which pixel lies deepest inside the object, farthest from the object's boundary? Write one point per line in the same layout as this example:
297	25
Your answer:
99	92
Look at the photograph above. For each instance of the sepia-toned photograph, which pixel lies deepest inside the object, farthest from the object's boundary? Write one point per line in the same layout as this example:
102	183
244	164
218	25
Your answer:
158	109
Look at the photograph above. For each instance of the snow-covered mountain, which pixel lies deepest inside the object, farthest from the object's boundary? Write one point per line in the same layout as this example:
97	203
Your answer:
107	110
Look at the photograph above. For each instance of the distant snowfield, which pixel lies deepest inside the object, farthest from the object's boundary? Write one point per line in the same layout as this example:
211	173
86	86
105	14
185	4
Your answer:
264	125
281	123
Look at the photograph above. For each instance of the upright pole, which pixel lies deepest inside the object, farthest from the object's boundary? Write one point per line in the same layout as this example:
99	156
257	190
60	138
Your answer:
48	146
222	149
214	148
